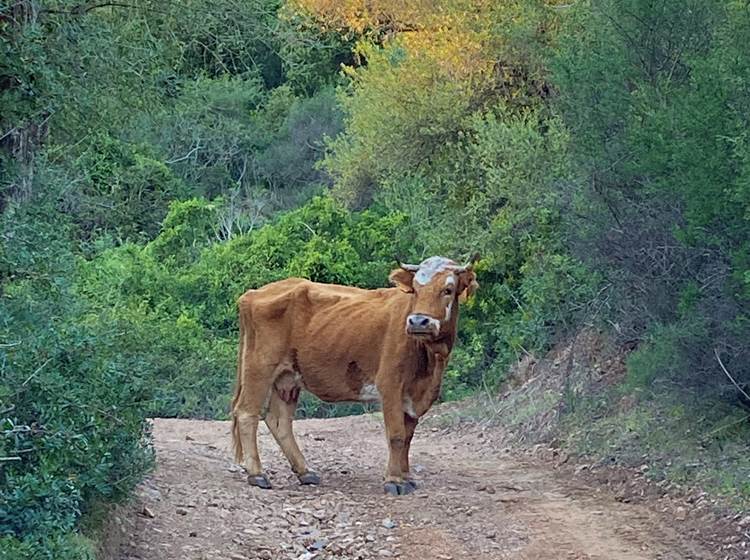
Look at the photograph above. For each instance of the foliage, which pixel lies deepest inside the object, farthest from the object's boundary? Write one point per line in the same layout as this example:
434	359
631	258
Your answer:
660	123
129	182
430	79
72	430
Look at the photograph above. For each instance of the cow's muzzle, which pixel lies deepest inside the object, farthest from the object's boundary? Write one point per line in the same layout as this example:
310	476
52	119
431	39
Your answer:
422	325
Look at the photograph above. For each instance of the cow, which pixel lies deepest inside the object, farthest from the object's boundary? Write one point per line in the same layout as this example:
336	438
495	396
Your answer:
346	344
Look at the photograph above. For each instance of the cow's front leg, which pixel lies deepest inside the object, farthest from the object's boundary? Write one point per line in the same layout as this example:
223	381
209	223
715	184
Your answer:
410	425
395	430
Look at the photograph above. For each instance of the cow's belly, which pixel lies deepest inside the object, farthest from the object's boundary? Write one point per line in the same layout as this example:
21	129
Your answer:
336	376
338	362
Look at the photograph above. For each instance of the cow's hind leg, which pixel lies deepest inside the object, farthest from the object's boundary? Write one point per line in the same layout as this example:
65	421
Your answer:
279	420
247	412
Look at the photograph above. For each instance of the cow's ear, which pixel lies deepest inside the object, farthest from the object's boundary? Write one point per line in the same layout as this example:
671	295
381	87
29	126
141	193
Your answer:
467	285
402	279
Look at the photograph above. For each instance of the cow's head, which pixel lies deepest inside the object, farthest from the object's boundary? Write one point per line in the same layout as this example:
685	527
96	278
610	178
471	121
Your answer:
437	285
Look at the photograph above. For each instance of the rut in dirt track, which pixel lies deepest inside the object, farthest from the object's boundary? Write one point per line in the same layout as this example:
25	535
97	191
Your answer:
475	502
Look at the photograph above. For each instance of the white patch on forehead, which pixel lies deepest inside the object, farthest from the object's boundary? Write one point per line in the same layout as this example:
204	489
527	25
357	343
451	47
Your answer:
430	268
369	393
450	280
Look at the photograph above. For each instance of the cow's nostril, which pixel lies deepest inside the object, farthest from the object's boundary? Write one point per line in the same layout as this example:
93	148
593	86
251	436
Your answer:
418	321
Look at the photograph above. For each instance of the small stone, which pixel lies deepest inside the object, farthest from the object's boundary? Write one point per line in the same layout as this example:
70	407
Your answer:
146	512
319	544
385	553
388	523
680	514
192	534
181	511
745	521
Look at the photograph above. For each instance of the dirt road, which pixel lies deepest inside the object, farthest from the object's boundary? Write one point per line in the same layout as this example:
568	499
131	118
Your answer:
476	502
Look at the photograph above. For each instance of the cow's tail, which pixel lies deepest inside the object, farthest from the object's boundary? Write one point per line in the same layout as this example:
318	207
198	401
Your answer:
236	439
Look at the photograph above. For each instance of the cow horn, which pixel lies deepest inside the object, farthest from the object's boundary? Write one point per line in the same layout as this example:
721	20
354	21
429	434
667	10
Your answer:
470	265
409	267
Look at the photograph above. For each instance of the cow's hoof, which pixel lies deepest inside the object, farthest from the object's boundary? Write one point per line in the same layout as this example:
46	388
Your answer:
412	483
399	488
259	480
310	477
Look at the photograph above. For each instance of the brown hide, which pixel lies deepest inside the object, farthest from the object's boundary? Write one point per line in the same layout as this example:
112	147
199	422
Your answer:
344	344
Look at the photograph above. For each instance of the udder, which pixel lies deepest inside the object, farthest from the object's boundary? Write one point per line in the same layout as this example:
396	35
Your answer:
288	386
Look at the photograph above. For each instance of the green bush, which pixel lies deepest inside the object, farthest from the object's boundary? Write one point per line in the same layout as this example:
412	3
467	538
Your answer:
130	182
71	413
659	141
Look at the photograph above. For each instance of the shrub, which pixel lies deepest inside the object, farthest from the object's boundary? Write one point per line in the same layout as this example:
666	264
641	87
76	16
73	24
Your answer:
659	140
71	413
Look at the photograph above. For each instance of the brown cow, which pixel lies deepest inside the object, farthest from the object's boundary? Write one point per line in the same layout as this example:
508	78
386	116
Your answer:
345	344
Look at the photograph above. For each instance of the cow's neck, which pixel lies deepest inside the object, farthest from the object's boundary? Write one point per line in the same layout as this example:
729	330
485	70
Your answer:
432	358
425	386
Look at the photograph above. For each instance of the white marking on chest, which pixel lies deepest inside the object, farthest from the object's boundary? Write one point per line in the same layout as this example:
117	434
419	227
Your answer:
369	393
430	268
408	407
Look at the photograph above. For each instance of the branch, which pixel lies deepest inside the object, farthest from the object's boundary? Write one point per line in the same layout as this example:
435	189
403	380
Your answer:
83	9
112	4
186	156
35	372
729	375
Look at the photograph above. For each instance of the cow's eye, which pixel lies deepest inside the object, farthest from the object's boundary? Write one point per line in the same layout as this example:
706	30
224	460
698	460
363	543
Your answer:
448	291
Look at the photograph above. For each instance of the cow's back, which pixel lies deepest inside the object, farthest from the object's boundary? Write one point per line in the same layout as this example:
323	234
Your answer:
294	298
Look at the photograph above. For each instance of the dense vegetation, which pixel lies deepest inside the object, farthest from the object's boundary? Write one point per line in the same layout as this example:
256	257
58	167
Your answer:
159	158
